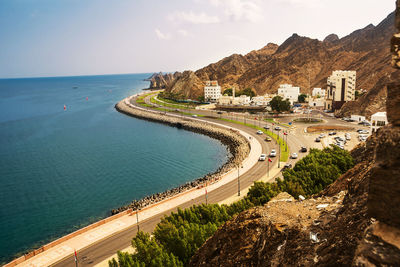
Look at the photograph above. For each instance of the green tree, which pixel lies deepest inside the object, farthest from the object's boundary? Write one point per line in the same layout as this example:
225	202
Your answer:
279	105
302	98
228	92
247	91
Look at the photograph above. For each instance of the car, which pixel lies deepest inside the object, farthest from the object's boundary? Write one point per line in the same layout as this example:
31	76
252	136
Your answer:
303	149
321	136
277	128
348	136
194	115
177	110
317	140
287	166
332	133
259	132
266	127
363	132
365	123
219	112
268	139
262	157
294	156
272	153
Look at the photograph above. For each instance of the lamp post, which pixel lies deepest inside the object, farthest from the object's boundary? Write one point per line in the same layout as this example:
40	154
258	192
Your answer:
238	167
137	219
279	156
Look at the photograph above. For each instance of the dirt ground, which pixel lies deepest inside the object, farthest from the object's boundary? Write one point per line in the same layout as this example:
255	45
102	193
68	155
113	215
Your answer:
326	128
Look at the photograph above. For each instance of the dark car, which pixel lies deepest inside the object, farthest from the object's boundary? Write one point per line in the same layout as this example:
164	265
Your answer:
287	166
317	140
332	133
266	127
303	149
219	112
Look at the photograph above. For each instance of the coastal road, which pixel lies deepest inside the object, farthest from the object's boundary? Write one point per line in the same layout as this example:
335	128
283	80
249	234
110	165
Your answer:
107	247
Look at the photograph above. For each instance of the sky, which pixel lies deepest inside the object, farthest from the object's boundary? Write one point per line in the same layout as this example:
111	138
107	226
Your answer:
41	38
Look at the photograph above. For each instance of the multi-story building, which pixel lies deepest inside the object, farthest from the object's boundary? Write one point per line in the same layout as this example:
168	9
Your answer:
212	91
341	88
290	92
378	120
318	93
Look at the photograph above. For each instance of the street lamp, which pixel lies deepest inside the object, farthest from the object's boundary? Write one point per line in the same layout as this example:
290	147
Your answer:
279	156
137	219
238	165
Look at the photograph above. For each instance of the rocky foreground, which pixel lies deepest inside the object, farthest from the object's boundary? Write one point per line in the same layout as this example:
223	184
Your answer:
354	222
237	145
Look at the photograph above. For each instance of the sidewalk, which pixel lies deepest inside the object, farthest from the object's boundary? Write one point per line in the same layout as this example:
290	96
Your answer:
48	254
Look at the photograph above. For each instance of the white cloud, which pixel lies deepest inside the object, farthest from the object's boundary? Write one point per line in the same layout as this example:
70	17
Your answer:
191	17
162	36
183	32
239	10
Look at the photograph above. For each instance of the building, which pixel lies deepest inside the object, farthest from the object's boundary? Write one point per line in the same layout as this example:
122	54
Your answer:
287	91
318	103
261	100
357	118
212	91
378	120
341	88
231	100
318	93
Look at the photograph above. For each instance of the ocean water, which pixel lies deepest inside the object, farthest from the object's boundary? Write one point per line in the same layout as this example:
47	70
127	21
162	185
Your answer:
63	169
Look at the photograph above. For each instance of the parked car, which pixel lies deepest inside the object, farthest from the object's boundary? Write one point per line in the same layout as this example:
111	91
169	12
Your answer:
262	157
287	166
303	149
277	128
266	127
321	136
294	156
363	132
365	123
348	136
219	112
317	140
332	133
268	139
259	132
272	153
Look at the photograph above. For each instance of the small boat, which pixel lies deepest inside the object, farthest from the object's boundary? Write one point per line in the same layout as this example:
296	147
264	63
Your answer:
75	87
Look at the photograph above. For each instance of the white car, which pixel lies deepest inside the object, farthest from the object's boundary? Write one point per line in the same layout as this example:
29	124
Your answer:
348	136
262	157
321	136
273	153
294	156
259	132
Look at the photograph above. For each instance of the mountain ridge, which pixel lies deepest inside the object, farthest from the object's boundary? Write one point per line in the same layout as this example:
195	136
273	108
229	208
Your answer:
301	61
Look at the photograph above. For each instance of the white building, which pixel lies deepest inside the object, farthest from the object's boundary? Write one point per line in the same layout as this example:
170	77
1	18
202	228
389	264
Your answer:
341	88
357	118
318	93
378	120
261	100
212	91
287	91
318	103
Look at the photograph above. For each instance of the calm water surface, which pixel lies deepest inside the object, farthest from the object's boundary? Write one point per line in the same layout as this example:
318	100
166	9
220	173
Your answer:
63	169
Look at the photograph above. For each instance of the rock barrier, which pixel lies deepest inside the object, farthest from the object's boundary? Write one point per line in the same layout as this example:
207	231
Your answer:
237	145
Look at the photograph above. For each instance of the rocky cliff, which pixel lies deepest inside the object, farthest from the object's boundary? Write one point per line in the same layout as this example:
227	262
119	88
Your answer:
307	63
355	221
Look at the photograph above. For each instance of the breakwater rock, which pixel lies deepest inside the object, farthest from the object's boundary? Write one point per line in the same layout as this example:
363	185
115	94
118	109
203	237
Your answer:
237	145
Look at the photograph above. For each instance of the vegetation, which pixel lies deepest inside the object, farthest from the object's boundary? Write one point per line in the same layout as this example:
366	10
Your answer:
247	91
302	98
279	105
178	236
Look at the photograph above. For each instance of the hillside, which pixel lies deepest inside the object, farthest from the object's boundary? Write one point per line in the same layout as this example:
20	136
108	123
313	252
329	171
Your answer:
301	61
354	222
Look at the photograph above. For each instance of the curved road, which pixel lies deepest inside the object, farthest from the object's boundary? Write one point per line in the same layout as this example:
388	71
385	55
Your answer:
107	247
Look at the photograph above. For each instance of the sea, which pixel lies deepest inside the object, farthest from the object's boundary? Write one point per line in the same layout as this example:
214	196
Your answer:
67	157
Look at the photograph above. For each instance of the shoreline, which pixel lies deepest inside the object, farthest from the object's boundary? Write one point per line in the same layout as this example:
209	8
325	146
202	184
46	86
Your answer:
237	145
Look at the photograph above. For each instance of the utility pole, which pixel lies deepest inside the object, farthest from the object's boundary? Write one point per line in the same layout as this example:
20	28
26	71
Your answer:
279	156
137	219
238	166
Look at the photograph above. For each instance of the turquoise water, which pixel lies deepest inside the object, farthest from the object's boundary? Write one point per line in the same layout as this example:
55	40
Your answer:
63	169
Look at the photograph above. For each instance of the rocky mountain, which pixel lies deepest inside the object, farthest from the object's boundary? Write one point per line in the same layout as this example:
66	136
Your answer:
354	222
304	62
